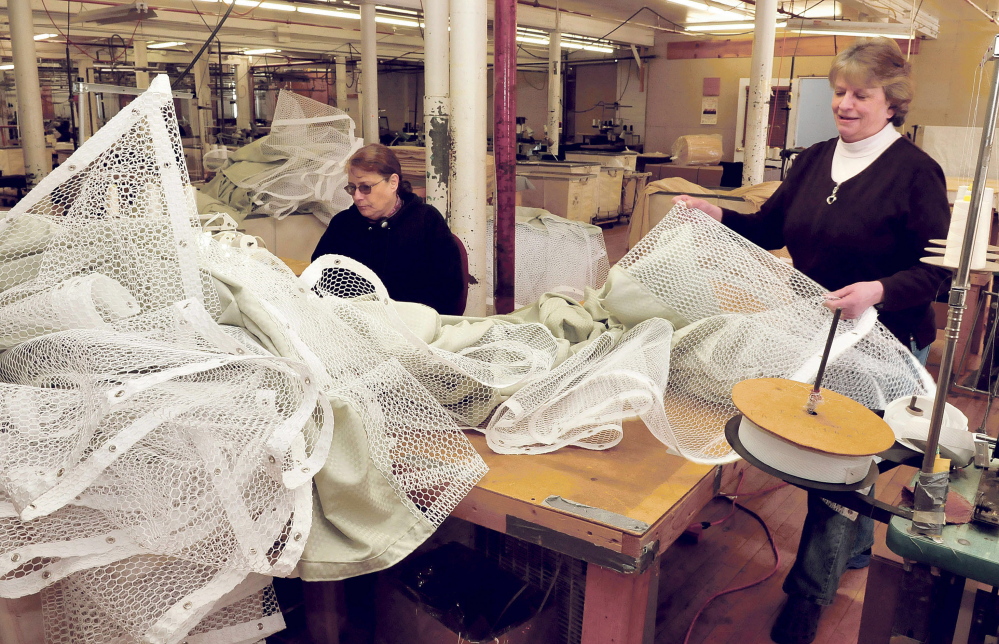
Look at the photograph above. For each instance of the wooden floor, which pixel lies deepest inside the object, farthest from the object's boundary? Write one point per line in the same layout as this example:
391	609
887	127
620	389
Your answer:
736	552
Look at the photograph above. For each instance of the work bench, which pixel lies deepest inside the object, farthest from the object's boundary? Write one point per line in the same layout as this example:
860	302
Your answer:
617	510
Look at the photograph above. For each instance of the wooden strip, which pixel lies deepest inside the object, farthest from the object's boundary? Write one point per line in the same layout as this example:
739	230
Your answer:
784	46
617	607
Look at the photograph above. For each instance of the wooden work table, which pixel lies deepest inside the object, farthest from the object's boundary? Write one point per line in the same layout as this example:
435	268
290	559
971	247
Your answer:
617	510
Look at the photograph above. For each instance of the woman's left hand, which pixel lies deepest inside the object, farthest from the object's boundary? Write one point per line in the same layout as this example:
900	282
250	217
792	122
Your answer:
855	298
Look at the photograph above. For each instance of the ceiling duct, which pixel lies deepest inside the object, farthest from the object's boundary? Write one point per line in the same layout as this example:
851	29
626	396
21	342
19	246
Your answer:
122	13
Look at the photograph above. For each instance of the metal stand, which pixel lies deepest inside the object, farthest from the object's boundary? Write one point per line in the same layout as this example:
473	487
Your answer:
931	488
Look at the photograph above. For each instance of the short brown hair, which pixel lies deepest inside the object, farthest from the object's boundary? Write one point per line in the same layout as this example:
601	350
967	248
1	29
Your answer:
870	62
381	160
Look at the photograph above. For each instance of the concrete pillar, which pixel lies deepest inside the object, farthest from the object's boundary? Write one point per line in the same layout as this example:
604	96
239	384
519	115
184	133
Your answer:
761	68
244	93
437	103
141	61
554	126
369	72
468	132
30	124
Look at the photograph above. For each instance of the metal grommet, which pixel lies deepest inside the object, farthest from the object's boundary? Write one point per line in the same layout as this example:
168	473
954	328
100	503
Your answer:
112	448
336	261
306	470
260	626
60	472
218	471
110	539
240	351
188	605
308	381
253	551
15	557
46	574
72	167
119	393
298	536
32	506
271	459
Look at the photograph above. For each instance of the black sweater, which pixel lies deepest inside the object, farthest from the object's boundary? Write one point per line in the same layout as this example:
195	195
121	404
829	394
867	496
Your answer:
876	229
414	254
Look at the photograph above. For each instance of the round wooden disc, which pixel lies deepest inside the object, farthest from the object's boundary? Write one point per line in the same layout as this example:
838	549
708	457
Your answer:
840	426
940	251
943	242
990	267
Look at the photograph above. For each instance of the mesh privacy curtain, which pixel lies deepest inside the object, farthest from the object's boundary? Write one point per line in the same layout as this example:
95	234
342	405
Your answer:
154	470
554	255
741	313
311	141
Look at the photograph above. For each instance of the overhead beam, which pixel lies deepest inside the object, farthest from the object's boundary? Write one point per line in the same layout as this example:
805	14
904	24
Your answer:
899	11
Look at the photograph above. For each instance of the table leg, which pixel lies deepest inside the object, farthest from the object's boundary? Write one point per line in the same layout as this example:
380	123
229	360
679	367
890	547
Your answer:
620	608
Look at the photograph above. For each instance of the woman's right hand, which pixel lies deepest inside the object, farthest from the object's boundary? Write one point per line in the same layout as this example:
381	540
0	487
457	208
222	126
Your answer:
704	206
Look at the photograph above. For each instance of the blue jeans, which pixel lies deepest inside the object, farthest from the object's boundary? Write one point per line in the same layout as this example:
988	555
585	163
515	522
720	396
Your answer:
828	541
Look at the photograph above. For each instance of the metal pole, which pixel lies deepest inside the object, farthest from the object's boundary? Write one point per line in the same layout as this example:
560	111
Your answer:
505	149
141	56
437	103
369	73
759	92
468	132
30	125
554	130
931	489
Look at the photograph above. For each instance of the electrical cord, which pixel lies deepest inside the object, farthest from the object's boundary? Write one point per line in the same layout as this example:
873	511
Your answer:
766	529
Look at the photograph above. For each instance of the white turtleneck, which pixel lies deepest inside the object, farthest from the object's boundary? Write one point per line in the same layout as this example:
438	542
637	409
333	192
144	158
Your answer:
850	159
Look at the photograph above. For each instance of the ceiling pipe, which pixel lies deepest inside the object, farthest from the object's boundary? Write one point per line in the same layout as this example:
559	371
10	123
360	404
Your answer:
982	11
468	132
30	125
437	104
761	68
369	73
505	150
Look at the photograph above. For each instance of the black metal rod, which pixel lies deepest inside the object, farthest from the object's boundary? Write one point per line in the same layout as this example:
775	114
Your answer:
208	42
825	353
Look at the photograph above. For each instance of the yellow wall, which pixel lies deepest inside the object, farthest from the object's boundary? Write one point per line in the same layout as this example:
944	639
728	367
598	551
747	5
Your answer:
944	69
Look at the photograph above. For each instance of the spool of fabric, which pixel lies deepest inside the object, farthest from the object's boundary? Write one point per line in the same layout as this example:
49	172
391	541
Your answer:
799	461
909	426
697	149
958	222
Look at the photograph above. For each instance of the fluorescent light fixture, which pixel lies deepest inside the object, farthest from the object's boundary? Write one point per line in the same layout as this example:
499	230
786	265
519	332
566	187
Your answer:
849	28
165	45
45	36
119	13
335	13
397	10
693	4
532	41
260	52
396	21
277	6
6	67
726	26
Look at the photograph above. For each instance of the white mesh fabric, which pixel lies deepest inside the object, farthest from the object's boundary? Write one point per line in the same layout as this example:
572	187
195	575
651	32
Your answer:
553	255
750	316
315	140
150	460
584	400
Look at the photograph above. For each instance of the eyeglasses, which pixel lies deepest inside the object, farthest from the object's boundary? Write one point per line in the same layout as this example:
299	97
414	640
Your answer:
363	188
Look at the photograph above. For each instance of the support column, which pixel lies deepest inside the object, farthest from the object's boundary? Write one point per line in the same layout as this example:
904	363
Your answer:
437	103
141	62
554	127
30	125
244	93
759	92
505	150
468	132
341	83
203	112
369	72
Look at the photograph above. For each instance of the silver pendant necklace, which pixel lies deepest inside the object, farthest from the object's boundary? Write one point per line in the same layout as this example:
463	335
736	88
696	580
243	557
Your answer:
831	199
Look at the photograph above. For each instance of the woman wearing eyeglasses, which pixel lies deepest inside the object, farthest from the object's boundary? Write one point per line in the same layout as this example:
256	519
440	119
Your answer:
391	231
